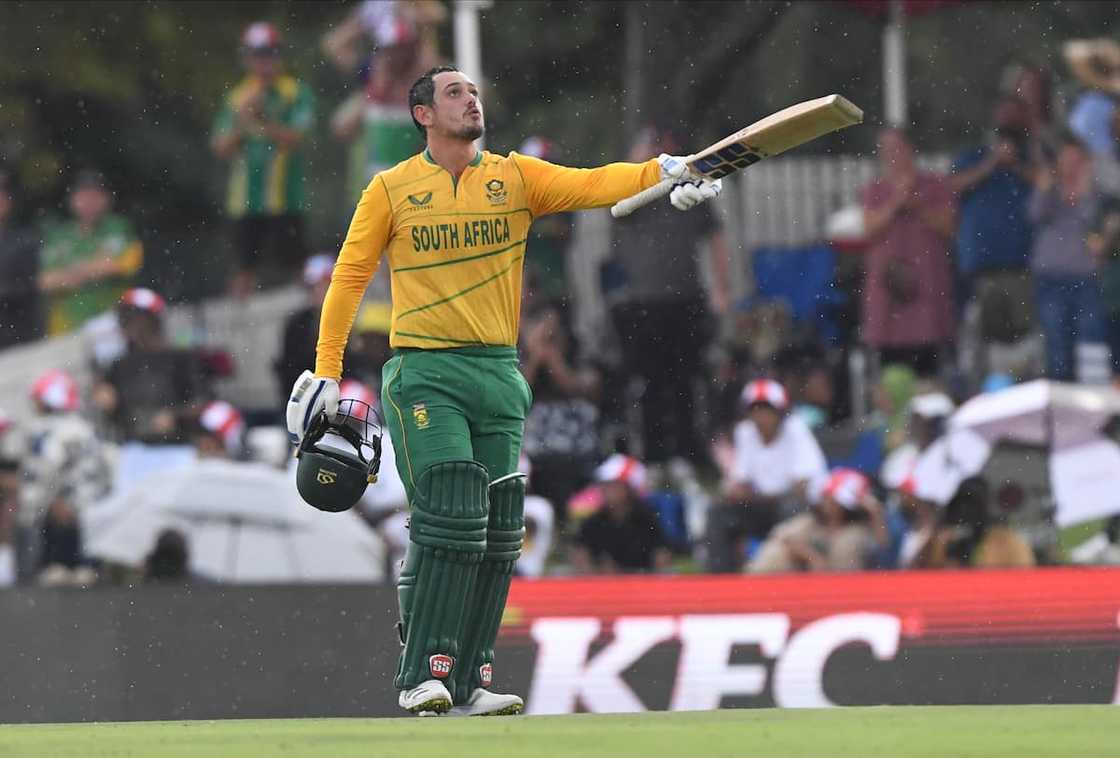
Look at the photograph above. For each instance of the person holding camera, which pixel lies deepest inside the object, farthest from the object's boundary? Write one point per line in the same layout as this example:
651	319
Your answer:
993	183
909	220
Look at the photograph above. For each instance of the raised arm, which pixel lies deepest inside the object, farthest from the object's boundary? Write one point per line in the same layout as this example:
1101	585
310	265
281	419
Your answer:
552	188
356	265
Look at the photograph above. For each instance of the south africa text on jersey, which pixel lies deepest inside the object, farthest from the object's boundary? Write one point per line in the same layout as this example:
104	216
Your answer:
485	231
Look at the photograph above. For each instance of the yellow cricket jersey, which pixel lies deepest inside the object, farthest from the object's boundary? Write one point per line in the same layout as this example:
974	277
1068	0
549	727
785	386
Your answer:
456	248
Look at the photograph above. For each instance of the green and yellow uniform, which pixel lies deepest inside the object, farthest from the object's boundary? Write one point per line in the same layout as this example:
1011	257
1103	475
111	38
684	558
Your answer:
454	400
455	249
66	245
266	179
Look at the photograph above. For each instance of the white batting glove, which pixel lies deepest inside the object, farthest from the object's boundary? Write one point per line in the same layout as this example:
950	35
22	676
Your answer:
673	167
310	394
690	194
691	189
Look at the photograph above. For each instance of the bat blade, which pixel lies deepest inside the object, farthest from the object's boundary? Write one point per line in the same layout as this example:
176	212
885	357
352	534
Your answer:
763	139
776	134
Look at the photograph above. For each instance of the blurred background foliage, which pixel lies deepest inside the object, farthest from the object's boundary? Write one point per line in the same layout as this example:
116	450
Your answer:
131	89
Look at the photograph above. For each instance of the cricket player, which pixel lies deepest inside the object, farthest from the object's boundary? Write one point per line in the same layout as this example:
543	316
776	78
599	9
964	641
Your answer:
453	222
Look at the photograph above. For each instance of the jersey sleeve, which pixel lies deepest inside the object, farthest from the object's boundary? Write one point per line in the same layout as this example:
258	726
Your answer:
552	189
357	262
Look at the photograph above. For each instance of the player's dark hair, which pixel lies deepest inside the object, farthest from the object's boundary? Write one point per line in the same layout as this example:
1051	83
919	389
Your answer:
423	92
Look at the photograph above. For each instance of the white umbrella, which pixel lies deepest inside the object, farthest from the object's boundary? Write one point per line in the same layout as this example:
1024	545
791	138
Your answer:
1065	420
1044	413
244	522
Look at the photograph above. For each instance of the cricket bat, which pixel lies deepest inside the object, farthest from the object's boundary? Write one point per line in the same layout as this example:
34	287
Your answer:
771	136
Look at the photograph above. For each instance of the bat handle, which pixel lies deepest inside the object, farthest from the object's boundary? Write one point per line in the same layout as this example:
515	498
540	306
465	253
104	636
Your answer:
645	197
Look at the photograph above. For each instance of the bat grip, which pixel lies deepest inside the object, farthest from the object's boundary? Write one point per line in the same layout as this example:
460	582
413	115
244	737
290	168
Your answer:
645	197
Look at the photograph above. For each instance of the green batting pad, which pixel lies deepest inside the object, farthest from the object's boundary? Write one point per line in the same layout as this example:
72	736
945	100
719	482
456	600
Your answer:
447	541
503	547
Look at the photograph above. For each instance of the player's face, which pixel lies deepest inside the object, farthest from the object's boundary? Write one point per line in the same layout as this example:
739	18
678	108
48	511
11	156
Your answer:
456	110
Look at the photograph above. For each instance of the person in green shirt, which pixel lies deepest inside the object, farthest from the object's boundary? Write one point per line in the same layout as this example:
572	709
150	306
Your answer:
375	121
87	262
260	130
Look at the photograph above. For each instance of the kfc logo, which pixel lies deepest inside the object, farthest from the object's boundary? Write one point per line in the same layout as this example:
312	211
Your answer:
486	674
566	677
440	665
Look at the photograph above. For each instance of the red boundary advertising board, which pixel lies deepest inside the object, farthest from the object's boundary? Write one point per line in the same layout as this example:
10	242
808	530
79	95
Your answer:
685	643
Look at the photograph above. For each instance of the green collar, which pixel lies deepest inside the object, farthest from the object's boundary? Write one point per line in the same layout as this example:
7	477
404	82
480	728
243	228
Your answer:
474	161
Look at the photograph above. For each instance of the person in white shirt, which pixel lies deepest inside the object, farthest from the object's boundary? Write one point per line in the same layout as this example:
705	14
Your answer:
775	464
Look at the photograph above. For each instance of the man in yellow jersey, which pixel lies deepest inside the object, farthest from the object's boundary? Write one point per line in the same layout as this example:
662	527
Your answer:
453	223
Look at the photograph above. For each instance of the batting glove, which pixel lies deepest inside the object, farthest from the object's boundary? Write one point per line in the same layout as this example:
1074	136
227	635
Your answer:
691	189
310	395
692	193
673	168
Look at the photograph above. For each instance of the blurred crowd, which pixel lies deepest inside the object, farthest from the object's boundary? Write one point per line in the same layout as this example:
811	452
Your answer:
708	435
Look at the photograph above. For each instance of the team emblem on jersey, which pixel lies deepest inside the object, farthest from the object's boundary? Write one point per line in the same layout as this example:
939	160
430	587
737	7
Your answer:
420	416
496	191
419	200
326	477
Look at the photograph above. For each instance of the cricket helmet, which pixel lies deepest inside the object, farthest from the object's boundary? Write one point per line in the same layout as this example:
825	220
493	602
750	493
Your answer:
339	457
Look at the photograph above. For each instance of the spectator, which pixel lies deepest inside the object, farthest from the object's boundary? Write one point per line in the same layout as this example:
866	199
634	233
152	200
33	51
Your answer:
623	535
1104	244
891	398
994	236
927	415
261	129
376	120
1032	85
152	392
66	468
967	538
842	532
546	252
561	430
169	561
774	463
220	432
1064	208
908	292
301	330
19	272
805	371
89	261
922	518
661	313
1096	65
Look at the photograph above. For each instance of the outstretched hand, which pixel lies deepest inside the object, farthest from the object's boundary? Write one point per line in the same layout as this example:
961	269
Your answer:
692	189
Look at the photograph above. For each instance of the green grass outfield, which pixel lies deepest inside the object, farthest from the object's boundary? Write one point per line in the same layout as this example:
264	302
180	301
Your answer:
894	732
